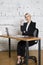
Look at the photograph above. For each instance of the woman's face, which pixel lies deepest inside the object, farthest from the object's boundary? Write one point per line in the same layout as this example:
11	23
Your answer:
27	17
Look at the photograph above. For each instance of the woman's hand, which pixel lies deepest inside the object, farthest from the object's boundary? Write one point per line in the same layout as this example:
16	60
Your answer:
24	31
21	22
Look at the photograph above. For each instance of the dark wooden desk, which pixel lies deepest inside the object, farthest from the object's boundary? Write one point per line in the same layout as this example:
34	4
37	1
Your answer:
27	45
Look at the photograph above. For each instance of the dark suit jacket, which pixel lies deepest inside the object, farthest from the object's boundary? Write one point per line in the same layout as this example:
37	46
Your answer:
31	29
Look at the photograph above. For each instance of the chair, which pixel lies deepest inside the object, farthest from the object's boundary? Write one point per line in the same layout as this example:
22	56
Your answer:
35	35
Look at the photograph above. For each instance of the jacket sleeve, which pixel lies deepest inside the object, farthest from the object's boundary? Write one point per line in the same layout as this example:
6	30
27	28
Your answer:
22	28
30	30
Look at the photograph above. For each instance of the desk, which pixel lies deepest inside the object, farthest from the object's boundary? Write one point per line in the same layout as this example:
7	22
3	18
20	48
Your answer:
27	45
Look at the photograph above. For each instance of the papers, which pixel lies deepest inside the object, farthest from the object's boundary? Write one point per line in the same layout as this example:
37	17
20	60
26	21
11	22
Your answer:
20	36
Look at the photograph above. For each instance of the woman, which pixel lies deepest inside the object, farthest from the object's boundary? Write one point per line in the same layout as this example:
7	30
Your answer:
27	28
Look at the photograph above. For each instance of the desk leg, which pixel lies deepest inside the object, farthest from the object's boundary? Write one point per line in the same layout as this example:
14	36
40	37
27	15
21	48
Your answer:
27	52
9	48
39	52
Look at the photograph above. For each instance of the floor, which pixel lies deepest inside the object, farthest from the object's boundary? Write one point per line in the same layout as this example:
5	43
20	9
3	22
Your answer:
5	60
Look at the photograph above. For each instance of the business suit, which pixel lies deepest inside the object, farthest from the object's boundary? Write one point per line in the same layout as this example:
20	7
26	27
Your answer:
22	44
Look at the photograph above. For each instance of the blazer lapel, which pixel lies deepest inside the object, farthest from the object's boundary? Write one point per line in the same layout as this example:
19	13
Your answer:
29	25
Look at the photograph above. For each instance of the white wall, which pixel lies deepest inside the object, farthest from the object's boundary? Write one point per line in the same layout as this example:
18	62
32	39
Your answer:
12	11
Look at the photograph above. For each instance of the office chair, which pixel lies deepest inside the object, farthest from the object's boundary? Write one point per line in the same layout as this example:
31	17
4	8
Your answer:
33	57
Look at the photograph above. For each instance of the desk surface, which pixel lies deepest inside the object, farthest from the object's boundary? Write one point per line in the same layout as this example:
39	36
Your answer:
21	38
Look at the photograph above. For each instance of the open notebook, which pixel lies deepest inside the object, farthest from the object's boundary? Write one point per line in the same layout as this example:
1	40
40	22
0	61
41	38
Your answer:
21	36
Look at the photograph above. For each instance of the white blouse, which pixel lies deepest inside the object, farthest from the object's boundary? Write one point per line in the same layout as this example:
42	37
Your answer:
27	26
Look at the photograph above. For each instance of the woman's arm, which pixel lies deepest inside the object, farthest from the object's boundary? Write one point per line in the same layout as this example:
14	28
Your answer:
30	30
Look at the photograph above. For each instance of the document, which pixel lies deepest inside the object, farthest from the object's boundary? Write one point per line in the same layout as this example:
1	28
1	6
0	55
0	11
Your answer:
21	36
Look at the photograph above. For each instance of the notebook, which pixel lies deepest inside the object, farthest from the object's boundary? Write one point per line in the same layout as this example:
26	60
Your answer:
21	36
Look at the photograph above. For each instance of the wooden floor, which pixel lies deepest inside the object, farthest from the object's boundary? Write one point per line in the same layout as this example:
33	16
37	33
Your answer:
5	60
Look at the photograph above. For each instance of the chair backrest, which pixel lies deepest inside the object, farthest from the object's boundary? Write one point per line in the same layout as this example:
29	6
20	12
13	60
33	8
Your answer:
36	32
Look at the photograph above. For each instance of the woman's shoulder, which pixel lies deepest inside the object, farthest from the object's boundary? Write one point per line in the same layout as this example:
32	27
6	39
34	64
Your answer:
33	22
